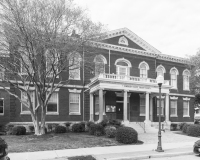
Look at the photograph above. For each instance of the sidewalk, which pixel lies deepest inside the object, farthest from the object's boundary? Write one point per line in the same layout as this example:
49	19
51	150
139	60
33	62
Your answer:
110	153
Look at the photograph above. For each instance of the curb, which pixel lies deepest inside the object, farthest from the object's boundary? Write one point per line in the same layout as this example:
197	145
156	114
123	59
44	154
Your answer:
151	156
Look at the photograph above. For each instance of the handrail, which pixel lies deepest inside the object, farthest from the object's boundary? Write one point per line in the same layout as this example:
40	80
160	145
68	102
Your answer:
141	124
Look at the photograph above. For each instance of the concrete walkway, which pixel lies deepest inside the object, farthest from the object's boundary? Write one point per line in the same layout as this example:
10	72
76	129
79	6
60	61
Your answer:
173	144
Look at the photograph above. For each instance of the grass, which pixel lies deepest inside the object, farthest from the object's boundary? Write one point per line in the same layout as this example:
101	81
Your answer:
52	141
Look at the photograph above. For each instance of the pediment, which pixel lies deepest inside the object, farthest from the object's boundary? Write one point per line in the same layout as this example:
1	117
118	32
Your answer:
126	38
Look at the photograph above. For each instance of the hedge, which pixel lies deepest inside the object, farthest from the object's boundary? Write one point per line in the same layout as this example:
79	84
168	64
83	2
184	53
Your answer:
193	130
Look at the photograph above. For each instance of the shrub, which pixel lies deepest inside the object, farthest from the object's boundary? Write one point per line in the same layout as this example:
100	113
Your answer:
173	127
60	129
89	123
78	127
181	125
49	127
126	135
19	130
96	129
104	122
193	130
3	144
110	131
67	124
31	128
185	126
197	143
115	123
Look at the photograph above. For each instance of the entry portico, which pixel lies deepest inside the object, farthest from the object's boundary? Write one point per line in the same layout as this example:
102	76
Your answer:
129	88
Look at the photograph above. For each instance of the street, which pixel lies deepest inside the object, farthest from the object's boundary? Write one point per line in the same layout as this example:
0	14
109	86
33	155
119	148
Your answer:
184	157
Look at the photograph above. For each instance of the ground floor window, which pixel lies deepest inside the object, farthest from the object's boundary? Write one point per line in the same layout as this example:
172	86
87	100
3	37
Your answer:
142	105
96	105
52	106
185	108
74	104
24	98
162	106
173	105
1	106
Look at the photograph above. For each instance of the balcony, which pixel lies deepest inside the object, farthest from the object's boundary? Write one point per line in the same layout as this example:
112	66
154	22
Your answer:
128	79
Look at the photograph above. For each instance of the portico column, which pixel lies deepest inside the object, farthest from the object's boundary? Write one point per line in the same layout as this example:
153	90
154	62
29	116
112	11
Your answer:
100	104
91	107
147	120
125	106
167	107
151	108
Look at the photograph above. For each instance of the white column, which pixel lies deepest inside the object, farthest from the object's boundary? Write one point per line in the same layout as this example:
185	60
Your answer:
167	107
104	112
151	107
147	120
100	105
91	107
125	106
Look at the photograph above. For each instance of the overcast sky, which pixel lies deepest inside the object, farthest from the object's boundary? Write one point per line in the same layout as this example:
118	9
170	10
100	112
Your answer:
171	26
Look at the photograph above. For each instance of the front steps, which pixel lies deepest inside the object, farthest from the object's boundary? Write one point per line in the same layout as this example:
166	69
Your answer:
140	128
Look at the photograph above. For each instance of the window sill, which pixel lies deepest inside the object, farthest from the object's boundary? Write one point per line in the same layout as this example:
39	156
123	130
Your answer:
74	114
142	115
1	114
78	79
52	113
186	90
174	88
186	116
173	116
160	115
25	113
97	113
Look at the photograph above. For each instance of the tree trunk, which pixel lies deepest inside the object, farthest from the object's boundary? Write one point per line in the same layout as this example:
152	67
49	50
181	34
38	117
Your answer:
43	116
36	123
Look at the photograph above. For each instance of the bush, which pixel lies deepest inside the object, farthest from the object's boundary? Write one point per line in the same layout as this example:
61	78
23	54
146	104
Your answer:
104	122
185	126
181	125
110	131
114	122
197	143
19	130
3	144
89	123
173	127
96	129
67	124
193	130
126	135
60	129
31	128
78	127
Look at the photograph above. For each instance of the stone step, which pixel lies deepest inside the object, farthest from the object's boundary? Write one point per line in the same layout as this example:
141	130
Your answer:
139	129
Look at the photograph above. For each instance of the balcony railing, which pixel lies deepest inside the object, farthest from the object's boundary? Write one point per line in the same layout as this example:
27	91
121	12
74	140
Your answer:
127	78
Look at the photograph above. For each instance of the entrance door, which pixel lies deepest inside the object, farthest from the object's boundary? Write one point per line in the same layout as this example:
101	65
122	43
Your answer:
119	111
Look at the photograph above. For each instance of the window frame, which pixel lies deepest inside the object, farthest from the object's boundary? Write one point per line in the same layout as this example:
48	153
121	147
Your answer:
104	61
120	66
2	114
186	99
184	78
57	102
146	69
162	110
143	96
75	91
162	68
78	68
174	99
27	112
175	74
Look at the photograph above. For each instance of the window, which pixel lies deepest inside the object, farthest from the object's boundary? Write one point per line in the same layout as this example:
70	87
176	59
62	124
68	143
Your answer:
162	106
186	82
52	106
1	106
144	67
100	62
74	66
2	73
186	107
174	73
122	67
142	105
24	98
52	59
173	108
96	111
74	103
160	70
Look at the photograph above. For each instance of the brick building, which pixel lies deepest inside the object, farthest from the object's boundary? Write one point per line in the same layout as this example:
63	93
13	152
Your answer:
122	86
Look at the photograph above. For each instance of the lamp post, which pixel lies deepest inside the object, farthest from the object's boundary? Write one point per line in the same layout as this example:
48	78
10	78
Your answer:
160	80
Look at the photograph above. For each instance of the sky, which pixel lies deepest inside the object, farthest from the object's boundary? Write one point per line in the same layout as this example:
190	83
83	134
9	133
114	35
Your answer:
171	26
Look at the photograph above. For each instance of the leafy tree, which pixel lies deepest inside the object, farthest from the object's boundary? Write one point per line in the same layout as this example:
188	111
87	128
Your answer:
40	40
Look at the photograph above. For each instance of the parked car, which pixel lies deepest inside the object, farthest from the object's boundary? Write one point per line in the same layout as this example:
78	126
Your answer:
3	150
196	147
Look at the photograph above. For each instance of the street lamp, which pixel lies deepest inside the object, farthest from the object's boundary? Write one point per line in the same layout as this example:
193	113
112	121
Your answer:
160	81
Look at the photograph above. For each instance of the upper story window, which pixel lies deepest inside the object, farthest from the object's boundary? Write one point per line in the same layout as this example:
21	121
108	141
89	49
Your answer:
144	67
186	77
74	66
26	66
2	73
160	70
100	62
1	106
52	59
24	98
186	107
123	67
174	73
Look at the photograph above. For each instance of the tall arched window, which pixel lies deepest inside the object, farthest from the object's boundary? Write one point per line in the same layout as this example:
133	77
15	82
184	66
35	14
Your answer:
100	62
144	67
174	73
123	67
160	70
186	77
2	73
74	66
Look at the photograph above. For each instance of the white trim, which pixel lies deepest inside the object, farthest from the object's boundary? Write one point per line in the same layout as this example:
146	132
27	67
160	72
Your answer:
187	76
145	64
177	73
183	95
186	99
162	97
188	106
186	70
174	68
123	40
5	87
74	90
54	113
27	112
162	67
123	60
174	98
2	114
103	58
79	112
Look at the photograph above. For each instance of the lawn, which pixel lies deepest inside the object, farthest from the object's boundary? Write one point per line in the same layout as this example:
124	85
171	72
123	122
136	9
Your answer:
52	141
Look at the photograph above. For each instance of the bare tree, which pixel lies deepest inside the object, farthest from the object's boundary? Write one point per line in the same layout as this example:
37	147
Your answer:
39	38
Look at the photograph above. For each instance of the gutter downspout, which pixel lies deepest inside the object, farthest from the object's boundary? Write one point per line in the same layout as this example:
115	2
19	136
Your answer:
83	83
